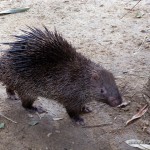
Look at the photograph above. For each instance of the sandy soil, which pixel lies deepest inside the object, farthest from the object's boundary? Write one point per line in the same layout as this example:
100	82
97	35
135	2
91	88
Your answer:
94	27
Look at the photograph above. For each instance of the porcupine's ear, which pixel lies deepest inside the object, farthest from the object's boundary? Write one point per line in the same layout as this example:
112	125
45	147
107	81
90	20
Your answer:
95	75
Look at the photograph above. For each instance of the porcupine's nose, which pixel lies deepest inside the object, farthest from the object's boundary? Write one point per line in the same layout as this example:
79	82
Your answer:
114	101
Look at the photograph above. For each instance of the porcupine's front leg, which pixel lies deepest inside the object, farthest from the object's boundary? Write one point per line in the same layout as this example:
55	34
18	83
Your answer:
74	114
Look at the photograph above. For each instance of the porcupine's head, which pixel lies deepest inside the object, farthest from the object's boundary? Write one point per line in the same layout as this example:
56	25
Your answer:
104	88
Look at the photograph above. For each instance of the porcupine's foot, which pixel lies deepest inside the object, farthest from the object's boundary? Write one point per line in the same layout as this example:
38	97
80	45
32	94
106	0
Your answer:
78	120
11	94
34	109
85	110
74	115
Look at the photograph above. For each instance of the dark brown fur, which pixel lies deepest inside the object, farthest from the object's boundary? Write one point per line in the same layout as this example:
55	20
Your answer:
42	63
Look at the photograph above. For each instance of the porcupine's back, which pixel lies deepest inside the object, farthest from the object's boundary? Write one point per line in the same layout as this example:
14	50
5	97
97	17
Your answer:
38	48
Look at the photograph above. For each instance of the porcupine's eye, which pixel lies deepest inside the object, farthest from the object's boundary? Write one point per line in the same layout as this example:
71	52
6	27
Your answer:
103	90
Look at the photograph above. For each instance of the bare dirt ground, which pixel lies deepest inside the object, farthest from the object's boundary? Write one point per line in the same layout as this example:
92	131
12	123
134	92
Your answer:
94	27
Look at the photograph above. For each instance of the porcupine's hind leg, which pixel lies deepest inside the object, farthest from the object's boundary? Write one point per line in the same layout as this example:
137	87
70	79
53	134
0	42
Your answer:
27	103
11	93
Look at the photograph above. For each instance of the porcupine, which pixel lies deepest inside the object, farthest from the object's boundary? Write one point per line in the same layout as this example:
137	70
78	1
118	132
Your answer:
42	63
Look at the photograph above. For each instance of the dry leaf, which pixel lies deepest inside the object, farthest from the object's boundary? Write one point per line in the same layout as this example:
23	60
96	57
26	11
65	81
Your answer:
138	143
13	11
56	119
138	115
49	134
2	125
33	123
139	14
124	104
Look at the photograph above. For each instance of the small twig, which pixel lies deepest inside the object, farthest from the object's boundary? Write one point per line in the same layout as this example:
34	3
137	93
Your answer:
133	95
144	96
142	43
7	118
131	9
138	115
145	88
128	9
38	115
124	89
99	125
147	95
